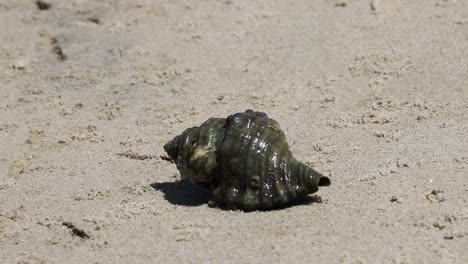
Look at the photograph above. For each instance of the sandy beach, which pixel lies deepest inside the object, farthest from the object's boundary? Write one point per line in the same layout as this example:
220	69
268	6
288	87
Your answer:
373	94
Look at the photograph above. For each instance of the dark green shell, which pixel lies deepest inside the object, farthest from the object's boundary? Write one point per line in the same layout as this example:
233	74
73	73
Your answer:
245	160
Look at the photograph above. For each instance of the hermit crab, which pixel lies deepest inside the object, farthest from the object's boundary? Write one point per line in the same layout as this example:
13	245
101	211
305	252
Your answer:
245	161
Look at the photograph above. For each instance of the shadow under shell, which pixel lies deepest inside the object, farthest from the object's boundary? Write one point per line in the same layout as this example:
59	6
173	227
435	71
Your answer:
185	193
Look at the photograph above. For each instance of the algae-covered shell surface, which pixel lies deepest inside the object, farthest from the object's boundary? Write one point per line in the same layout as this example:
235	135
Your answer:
245	161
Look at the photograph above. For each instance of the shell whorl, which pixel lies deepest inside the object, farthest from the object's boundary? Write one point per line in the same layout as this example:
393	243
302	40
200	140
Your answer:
245	160
194	150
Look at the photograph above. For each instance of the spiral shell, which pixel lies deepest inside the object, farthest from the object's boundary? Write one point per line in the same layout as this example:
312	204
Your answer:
245	160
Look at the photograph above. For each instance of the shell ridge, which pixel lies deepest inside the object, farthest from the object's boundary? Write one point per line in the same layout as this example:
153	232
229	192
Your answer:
285	170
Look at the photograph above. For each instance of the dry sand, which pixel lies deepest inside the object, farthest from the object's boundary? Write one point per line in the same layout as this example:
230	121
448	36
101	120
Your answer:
372	93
